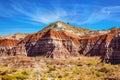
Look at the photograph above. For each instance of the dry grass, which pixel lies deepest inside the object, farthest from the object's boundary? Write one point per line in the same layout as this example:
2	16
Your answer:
32	68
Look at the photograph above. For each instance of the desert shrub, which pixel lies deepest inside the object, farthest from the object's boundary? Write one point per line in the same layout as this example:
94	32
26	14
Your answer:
3	72
6	77
44	79
6	71
21	76
25	72
60	76
51	69
104	69
67	74
100	74
37	73
51	75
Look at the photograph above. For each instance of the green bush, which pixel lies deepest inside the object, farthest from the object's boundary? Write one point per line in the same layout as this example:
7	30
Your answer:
21	76
105	70
8	78
44	79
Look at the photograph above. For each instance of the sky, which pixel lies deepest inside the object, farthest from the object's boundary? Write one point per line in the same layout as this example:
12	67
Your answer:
28	16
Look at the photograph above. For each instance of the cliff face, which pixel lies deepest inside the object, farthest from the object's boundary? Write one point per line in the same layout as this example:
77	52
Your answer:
95	46
6	45
113	51
107	46
56	44
24	47
60	41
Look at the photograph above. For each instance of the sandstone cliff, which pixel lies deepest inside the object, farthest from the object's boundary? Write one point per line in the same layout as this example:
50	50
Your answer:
56	44
6	45
107	46
113	49
60	40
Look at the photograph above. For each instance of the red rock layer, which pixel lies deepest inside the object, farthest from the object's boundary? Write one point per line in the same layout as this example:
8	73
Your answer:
24	47
113	50
6	45
62	44
7	42
95	46
107	46
56	44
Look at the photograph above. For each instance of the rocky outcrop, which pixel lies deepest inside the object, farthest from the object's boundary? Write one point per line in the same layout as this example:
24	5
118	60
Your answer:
57	40
6	45
56	44
53	44
29	42
95	45
107	46
60	40
17	36
113	50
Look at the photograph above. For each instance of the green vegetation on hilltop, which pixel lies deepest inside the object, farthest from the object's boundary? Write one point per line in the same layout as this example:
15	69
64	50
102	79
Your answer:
67	26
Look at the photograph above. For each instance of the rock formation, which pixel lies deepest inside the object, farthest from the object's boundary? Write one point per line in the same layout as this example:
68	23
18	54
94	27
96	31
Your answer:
107	46
113	50
95	45
58	26
60	40
6	45
56	44
17	36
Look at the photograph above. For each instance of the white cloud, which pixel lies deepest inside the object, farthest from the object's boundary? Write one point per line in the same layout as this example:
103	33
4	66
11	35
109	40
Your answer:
39	14
80	14
110	13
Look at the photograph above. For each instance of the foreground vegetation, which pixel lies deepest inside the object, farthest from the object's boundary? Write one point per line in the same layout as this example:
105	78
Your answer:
39	68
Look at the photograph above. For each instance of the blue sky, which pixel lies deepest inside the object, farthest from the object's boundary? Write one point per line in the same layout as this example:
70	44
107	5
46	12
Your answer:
32	15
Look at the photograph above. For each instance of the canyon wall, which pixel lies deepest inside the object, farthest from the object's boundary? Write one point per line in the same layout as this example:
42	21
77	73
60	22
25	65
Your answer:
61	43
